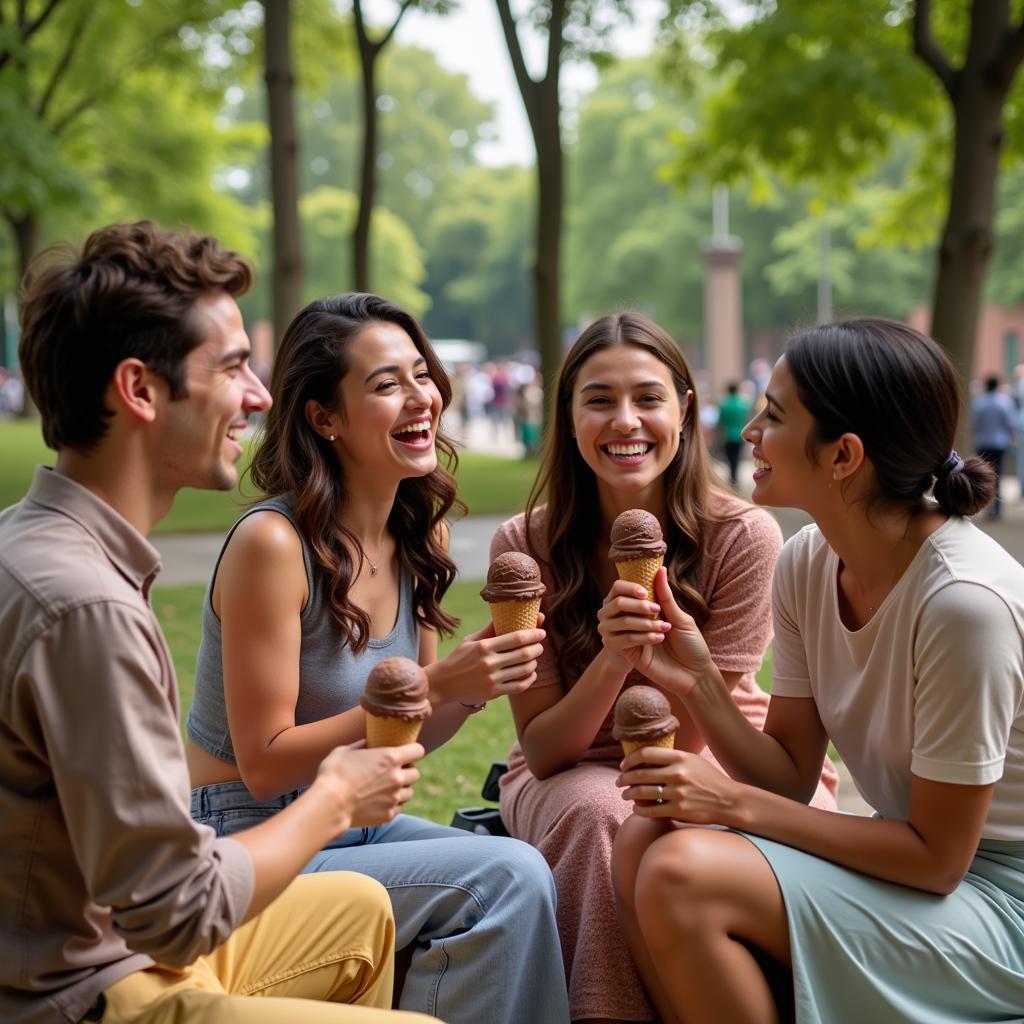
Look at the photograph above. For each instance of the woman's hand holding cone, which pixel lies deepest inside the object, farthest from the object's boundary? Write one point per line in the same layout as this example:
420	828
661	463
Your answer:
670	651
675	784
484	666
628	621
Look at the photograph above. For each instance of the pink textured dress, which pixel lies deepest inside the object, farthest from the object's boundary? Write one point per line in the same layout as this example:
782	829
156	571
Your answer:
572	817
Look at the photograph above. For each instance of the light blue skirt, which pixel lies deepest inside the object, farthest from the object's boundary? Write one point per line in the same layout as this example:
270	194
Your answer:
868	950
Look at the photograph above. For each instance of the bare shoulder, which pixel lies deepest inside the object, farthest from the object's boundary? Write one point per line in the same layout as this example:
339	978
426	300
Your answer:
263	556
264	535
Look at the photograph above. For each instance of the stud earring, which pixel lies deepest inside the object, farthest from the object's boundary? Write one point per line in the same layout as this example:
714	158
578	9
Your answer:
330	437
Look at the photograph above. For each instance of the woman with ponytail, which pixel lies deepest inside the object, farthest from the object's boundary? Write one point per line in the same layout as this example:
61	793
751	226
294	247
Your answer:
344	563
899	635
624	433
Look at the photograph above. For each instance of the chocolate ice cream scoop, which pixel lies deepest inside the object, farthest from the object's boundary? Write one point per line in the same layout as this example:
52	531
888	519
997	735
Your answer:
642	715
397	688
513	576
636	534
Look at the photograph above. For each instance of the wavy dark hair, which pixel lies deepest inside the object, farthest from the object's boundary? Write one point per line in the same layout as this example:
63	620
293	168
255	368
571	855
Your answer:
293	459
566	485
897	391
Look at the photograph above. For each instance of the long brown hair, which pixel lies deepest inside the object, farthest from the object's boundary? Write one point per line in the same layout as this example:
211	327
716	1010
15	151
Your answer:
567	486
293	459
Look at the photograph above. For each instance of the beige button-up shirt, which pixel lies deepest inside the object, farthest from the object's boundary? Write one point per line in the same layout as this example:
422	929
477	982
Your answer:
102	870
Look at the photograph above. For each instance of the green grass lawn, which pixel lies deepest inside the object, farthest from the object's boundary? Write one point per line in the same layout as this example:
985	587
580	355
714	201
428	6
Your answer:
452	775
487	484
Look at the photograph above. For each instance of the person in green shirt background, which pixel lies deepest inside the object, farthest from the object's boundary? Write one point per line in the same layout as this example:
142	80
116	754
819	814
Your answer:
733	413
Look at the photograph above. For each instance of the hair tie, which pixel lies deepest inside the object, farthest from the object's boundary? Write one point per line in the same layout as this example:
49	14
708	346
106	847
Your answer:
953	464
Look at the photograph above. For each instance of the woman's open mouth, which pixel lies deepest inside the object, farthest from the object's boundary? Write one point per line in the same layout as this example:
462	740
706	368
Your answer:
417	434
627	453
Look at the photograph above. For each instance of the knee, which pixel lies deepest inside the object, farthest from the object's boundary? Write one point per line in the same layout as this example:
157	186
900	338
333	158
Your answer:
522	869
675	889
632	841
360	905
366	897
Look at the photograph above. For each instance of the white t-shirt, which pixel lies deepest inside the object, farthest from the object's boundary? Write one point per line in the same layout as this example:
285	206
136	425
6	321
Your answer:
932	685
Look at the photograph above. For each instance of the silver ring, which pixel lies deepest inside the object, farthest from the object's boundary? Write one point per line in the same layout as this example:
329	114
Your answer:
661	795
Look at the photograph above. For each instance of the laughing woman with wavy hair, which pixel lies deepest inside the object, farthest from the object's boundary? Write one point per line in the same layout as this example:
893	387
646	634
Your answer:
341	565
624	433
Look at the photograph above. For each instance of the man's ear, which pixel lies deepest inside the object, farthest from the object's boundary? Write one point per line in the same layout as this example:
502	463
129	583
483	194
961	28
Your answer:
136	389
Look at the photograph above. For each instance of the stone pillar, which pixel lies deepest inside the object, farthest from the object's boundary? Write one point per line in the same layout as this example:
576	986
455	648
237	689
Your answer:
723	301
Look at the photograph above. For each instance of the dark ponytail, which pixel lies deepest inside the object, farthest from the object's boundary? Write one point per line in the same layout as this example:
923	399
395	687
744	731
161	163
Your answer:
964	486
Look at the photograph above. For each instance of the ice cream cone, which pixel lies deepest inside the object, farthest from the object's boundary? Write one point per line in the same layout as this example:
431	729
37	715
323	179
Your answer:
642	571
508	616
391	732
628	746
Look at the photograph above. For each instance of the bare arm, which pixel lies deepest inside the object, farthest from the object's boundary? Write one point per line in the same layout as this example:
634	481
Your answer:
785	758
259	595
445	719
482	667
556	727
932	850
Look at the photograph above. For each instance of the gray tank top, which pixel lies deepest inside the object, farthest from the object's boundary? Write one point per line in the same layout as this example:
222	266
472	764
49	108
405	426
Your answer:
331	676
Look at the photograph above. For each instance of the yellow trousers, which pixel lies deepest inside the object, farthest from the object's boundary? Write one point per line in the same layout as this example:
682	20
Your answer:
321	953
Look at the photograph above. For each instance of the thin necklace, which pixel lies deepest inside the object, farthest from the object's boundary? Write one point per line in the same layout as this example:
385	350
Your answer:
366	555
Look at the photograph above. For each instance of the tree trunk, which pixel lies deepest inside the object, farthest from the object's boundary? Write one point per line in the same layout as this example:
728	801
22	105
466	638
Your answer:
978	95
967	237
368	174
547	265
284	166
977	91
543	107
26	236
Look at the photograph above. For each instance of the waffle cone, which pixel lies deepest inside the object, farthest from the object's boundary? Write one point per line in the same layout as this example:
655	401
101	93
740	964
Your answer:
391	732
508	616
642	571
669	741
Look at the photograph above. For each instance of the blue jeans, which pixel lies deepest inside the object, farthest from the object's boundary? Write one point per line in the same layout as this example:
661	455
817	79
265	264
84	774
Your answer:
479	911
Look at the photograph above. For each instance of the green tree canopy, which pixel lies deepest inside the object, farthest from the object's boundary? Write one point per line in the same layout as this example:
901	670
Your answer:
96	101
479	242
818	90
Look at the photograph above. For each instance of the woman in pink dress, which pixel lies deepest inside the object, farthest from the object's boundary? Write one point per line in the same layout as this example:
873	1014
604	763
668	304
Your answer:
625	433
